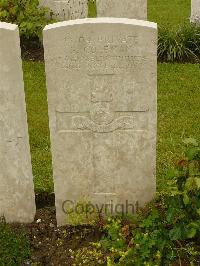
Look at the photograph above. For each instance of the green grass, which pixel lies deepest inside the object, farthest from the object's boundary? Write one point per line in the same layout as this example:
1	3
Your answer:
167	13
178	117
14	247
178	113
34	78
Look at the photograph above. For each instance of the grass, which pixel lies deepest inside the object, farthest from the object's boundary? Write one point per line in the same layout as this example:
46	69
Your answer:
14	247
34	79
178	113
169	13
178	117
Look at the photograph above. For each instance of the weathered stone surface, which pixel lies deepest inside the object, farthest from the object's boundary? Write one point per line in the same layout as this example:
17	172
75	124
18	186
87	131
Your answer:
195	11
101	81
67	9
17	200
136	9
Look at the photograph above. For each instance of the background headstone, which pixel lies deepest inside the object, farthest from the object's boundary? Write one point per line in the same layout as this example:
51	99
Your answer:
17	199
195	11
101	81
67	9
136	9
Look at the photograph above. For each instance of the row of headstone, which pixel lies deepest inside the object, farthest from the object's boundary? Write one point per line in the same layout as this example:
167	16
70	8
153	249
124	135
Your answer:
136	9
77	9
101	82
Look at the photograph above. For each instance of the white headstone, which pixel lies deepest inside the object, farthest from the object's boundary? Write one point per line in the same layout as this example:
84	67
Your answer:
136	9
101	81
67	9
195	11
17	199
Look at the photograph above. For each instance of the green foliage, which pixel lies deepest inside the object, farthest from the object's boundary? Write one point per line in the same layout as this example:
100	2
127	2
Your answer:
88	256
169	228
113	239
180	45
14	248
27	14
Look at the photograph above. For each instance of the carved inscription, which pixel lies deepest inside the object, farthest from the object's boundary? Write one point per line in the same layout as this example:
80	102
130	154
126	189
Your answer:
83	123
101	118
102	54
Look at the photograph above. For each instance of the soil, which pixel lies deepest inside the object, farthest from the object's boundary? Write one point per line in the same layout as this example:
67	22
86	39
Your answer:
32	50
51	245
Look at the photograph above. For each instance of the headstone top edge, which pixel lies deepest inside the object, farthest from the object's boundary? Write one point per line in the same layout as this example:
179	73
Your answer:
8	26
102	20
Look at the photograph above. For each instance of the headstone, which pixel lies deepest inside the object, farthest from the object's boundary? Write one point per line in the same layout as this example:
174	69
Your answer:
101	81
17	200
195	11
66	9
136	9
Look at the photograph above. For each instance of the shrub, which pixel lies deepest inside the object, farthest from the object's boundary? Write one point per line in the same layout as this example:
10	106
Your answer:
181	45
88	257
27	14
167	231
14	248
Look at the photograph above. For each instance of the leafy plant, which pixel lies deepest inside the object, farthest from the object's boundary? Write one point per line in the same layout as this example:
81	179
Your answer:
27	14
114	239
88	256
168	229
14	248
181	45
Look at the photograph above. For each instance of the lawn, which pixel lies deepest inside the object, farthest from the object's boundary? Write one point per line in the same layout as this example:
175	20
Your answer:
34	78
178	117
169	13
